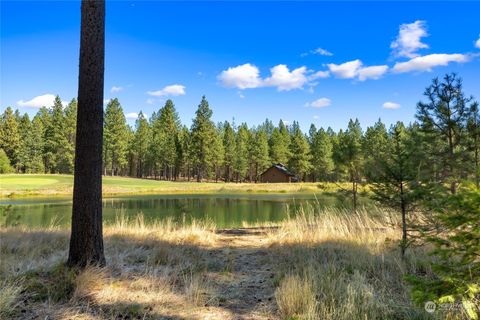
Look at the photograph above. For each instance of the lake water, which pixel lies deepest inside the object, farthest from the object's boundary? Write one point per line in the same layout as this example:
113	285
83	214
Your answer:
225	210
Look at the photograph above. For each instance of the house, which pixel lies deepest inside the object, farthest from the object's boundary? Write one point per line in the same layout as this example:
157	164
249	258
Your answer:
277	173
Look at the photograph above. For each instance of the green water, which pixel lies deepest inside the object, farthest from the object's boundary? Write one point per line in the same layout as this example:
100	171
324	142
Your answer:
223	209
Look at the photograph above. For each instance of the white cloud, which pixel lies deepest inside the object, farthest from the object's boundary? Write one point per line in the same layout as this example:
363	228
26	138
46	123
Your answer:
318	51
247	76
345	70
240	94
319	103
316	117
172	90
115	89
286	80
426	63
45	100
354	69
322	52
150	101
131	115
243	77
477	43
372	72
409	39
319	75
391	105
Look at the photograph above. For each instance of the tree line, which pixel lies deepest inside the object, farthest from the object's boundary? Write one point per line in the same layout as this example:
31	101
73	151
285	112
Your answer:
442	144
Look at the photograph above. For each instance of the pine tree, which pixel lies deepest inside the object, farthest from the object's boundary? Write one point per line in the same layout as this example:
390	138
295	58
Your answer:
279	144
351	156
473	130
166	127
203	140
218	153
395	180
258	151
10	136
141	142
299	162
443	121
375	142
115	137
70	129
5	166
229	149
184	155
24	130
241	150
456	243
322	153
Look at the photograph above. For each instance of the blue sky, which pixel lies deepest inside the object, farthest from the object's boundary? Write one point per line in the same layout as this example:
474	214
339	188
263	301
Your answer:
315	62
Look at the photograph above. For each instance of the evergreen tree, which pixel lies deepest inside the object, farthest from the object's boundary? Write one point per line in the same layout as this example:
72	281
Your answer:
241	150
218	153
10	136
395	180
473	129
184	155
57	155
141	142
443	121
351	156
258	150
279	144
375	142
229	149
24	129
322	153
455	238
70	129
115	137
167	126
299	162
203	140
5	166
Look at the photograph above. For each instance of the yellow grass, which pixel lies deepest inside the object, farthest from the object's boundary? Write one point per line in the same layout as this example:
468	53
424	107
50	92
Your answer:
316	265
28	185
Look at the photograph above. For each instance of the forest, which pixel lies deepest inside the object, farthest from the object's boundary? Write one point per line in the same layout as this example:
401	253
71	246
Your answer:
443	143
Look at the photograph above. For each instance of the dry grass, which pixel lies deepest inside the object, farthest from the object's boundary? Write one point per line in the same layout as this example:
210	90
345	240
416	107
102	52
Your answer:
29	185
325	265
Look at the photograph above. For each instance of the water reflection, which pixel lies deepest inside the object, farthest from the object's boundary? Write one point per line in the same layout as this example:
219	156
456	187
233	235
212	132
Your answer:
224	210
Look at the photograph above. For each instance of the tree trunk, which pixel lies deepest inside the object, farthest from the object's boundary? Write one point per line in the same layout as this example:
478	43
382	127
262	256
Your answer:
403	244
86	241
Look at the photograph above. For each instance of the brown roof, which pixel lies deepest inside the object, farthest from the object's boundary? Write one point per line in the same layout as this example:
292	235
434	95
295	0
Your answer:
281	167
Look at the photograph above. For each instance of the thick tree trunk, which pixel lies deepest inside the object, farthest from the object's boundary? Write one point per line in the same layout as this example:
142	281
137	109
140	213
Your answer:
86	241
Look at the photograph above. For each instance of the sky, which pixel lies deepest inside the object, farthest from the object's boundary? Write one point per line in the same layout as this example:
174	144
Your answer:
314	62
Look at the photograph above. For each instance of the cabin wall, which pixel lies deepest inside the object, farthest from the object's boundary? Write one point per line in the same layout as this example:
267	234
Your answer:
273	175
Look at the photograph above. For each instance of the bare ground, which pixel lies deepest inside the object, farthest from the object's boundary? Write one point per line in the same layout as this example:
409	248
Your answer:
246	284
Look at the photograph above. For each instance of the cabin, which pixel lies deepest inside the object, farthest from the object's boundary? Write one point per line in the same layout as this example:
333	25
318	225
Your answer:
277	173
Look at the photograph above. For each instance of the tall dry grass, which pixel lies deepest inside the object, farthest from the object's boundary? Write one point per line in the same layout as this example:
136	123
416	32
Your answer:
340	265
328	264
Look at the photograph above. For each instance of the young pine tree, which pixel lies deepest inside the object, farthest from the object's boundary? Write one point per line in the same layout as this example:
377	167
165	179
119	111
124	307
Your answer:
394	180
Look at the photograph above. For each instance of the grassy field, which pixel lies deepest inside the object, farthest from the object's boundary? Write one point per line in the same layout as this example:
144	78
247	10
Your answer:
332	265
16	185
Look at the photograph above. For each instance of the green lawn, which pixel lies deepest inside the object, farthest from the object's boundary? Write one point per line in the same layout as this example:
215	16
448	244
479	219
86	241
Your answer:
13	185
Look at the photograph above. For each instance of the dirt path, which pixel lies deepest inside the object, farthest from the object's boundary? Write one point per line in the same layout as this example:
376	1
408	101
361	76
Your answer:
246	285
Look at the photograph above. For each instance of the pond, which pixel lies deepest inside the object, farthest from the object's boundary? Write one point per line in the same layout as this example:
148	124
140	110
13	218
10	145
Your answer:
225	210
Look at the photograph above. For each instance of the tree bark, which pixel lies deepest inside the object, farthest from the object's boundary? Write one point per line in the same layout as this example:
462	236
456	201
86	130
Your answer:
86	241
